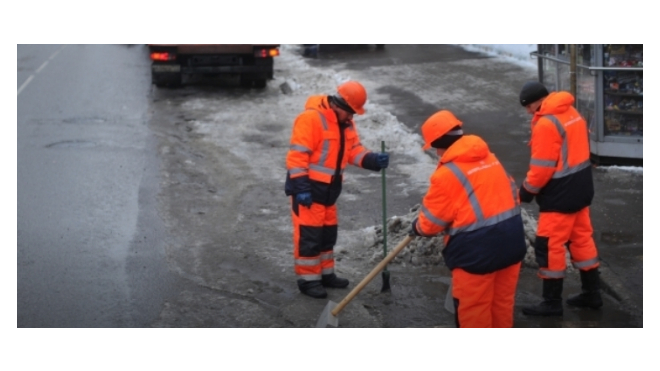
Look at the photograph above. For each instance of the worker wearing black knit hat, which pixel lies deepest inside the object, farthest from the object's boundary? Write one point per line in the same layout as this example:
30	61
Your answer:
531	96
561	180
473	201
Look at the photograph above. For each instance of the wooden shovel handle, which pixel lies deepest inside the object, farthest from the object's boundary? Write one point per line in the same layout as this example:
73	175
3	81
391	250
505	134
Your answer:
371	275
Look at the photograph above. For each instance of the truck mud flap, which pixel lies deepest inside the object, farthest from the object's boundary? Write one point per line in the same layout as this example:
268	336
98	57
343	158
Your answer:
226	69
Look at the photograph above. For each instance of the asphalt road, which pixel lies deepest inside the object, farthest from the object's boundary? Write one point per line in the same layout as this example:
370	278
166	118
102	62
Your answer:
90	244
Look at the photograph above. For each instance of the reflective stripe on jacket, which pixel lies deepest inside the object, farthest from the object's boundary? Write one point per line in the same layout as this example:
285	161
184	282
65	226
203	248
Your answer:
320	149
560	168
475	202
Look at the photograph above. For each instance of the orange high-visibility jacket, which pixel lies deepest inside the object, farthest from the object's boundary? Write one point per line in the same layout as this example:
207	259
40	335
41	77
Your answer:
560	172
320	148
475	202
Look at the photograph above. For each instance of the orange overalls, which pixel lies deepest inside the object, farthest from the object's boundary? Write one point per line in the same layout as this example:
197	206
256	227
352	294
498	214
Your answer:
560	177
320	149
475	202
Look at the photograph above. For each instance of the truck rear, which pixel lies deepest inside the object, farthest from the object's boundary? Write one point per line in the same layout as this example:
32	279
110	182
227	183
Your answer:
252	62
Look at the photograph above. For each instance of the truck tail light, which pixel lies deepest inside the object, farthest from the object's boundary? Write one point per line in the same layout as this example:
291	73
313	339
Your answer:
162	56
266	52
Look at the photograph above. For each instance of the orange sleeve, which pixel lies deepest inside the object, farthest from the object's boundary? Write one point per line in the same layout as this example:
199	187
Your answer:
546	147
304	138
438	209
356	151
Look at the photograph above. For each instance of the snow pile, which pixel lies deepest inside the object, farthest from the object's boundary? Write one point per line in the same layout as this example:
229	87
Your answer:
420	251
514	53
428	251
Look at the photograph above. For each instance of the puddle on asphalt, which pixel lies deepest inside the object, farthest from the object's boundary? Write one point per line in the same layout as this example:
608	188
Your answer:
615	201
71	144
618	237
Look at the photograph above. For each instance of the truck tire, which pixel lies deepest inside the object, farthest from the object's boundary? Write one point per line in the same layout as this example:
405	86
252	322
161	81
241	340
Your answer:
246	81
260	83
166	79
250	81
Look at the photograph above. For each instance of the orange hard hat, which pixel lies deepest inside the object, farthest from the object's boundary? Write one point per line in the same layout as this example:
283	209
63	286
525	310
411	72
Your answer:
439	124
354	94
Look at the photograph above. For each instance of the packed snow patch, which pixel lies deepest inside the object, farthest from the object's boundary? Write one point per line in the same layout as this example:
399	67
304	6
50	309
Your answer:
424	251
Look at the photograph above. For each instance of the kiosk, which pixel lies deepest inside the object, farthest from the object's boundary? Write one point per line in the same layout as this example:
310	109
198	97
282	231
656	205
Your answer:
607	81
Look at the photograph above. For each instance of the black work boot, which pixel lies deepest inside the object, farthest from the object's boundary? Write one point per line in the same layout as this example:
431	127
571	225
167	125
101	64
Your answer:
331	280
590	295
312	288
551	304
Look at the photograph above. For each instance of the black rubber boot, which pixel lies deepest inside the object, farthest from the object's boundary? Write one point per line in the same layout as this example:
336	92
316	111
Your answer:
331	280
590	295
312	288
551	304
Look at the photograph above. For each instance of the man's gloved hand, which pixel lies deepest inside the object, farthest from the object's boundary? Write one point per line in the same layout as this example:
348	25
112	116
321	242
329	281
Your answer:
382	159
304	198
413	230
525	196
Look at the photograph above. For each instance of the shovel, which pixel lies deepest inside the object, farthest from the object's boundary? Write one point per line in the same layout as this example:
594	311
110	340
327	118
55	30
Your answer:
332	309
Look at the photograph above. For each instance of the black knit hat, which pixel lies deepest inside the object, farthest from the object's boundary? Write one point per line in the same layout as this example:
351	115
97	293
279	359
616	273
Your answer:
449	138
531	92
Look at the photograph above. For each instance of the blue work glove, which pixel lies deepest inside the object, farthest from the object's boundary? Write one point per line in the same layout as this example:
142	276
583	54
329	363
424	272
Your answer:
525	195
413	230
382	159
304	198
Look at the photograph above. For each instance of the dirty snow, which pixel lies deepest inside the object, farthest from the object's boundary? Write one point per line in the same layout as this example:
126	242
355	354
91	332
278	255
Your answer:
514	53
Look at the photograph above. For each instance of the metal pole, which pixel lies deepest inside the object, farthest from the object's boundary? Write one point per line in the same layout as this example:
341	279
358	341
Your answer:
385	273
382	145
573	71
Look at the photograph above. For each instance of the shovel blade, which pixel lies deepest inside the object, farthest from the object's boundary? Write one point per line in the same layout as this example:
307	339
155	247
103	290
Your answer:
449	301
327	319
386	281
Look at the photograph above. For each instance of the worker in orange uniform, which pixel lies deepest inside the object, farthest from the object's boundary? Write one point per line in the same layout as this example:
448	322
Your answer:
560	178
323	142
474	201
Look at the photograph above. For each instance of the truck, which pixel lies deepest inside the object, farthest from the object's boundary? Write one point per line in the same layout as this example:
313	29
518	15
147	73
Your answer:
252	63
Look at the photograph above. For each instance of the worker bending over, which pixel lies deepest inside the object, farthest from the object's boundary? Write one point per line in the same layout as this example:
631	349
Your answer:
474	201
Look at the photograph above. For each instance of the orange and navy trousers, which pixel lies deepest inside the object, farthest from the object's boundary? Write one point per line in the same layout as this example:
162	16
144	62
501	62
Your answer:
485	300
558	231
314	238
